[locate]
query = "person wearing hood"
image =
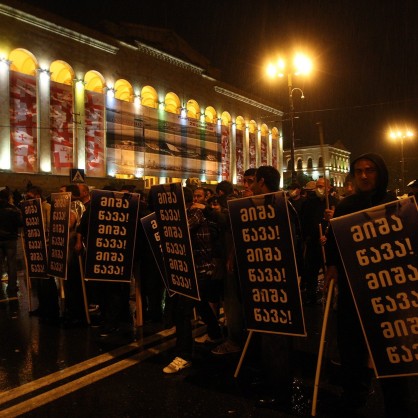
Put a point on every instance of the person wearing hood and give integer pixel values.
(316, 211)
(370, 178)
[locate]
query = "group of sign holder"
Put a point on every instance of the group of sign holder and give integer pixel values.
(378, 248)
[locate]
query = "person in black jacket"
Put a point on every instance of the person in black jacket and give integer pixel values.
(10, 221)
(370, 176)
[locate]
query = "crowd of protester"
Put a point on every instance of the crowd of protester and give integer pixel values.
(311, 206)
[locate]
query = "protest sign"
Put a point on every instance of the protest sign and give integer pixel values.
(170, 211)
(58, 235)
(34, 238)
(111, 236)
(266, 264)
(378, 247)
(149, 223)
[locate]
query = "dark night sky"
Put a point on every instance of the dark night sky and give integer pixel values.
(365, 54)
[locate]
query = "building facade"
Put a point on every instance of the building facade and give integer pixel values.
(330, 161)
(128, 103)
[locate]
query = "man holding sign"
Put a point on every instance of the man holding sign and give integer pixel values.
(370, 181)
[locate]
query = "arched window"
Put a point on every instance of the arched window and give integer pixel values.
(289, 165)
(172, 103)
(149, 97)
(299, 165)
(320, 162)
(124, 90)
(193, 109)
(23, 61)
(310, 162)
(240, 123)
(210, 114)
(94, 81)
(61, 72)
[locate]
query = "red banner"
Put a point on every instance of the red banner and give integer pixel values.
(274, 160)
(264, 147)
(225, 141)
(23, 114)
(94, 111)
(239, 155)
(61, 115)
(252, 151)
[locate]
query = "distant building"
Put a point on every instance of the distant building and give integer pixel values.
(315, 161)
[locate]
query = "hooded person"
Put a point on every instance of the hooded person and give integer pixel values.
(370, 178)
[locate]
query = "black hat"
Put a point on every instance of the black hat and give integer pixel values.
(413, 183)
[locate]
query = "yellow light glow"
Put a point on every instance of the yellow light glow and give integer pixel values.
(303, 65)
(399, 134)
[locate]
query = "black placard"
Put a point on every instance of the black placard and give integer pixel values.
(34, 238)
(111, 236)
(266, 264)
(168, 201)
(58, 235)
(379, 248)
(149, 223)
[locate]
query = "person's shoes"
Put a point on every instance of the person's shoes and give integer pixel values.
(205, 339)
(108, 331)
(94, 308)
(176, 365)
(226, 348)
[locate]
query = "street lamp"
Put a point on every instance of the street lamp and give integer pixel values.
(401, 135)
(301, 66)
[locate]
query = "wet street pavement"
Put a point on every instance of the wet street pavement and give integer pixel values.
(49, 371)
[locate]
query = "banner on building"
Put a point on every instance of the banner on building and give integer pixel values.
(34, 239)
(59, 235)
(263, 149)
(62, 127)
(239, 156)
(95, 138)
(146, 142)
(378, 247)
(111, 236)
(170, 211)
(266, 264)
(252, 150)
(226, 152)
(23, 125)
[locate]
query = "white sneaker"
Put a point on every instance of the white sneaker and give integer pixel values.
(176, 365)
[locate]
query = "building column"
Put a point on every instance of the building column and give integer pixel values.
(5, 142)
(44, 136)
(79, 126)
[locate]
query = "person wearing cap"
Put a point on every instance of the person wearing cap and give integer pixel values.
(414, 189)
(370, 177)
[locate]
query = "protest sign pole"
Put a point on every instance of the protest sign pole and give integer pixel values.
(244, 351)
(321, 346)
(321, 143)
(28, 283)
(83, 287)
(139, 320)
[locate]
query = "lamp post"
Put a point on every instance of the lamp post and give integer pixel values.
(301, 66)
(401, 135)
